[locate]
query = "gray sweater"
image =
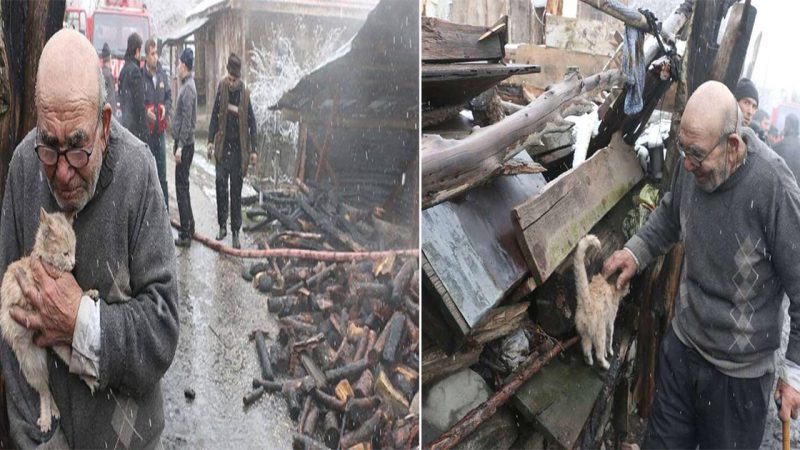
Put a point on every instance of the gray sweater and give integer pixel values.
(124, 251)
(742, 247)
(185, 120)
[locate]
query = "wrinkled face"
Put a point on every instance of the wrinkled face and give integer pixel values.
(151, 58)
(706, 157)
(748, 106)
(55, 241)
(67, 126)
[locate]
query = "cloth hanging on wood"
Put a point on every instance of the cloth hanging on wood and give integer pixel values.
(633, 67)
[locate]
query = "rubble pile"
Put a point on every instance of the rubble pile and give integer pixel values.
(315, 218)
(346, 359)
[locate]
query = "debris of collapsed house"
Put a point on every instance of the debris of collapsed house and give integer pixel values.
(498, 287)
(346, 359)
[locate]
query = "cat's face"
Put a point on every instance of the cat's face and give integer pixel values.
(55, 241)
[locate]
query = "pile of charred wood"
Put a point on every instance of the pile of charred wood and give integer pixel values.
(314, 218)
(346, 359)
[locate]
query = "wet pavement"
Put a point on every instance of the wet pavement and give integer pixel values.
(218, 310)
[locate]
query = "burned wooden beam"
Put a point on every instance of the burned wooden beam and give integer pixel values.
(365, 432)
(349, 371)
(400, 281)
(363, 387)
(394, 337)
(303, 442)
(313, 370)
(263, 356)
(478, 415)
(331, 429)
(309, 343)
(450, 168)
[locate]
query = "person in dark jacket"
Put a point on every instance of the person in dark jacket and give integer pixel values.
(158, 106)
(789, 147)
(131, 90)
(230, 141)
(183, 126)
(108, 77)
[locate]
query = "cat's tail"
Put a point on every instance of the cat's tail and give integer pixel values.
(579, 261)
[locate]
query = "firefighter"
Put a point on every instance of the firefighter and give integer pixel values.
(158, 106)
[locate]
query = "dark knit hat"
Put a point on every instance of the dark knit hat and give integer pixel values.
(187, 57)
(745, 88)
(235, 65)
(106, 52)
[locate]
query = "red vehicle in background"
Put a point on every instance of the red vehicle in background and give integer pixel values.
(113, 22)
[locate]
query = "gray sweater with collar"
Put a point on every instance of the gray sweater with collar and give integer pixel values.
(125, 251)
(742, 251)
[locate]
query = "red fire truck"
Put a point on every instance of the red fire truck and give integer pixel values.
(111, 22)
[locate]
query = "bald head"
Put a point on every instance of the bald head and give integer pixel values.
(68, 74)
(711, 110)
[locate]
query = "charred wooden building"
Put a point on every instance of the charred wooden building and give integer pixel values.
(224, 26)
(358, 120)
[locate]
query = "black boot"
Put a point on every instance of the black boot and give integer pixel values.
(235, 240)
(183, 241)
(223, 231)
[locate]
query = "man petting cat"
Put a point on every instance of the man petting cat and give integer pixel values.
(80, 160)
(736, 206)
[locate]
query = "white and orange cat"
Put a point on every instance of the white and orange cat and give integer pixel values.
(54, 245)
(597, 305)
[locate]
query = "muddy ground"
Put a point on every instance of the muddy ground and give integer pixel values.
(214, 358)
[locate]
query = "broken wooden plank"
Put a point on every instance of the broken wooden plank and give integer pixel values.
(560, 410)
(455, 84)
(588, 36)
(554, 63)
(450, 168)
(447, 42)
(549, 225)
(470, 247)
(499, 322)
(436, 364)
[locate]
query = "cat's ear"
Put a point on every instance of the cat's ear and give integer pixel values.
(42, 214)
(70, 216)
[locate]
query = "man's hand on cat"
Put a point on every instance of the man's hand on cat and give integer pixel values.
(55, 305)
(620, 261)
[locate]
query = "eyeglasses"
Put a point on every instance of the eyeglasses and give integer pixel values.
(692, 153)
(76, 157)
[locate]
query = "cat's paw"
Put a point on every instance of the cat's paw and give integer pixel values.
(54, 409)
(92, 383)
(93, 294)
(588, 359)
(44, 423)
(603, 363)
(610, 352)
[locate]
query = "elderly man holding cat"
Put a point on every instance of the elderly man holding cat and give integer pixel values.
(736, 206)
(80, 160)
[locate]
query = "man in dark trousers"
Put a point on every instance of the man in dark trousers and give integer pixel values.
(229, 142)
(735, 205)
(158, 106)
(789, 147)
(131, 90)
(108, 78)
(183, 125)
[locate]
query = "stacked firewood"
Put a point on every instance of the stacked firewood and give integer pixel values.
(346, 359)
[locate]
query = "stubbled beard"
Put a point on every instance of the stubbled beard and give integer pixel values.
(713, 180)
(78, 204)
